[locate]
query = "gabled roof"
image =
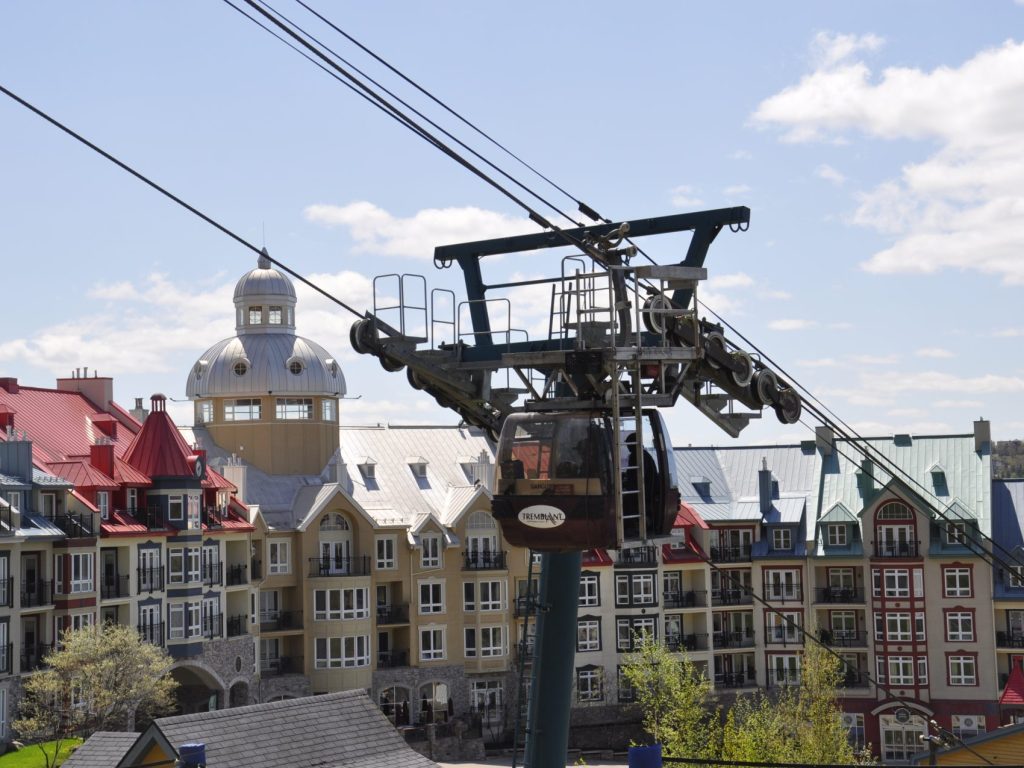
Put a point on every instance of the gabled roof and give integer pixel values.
(838, 513)
(102, 750)
(80, 473)
(159, 450)
(288, 733)
(1013, 694)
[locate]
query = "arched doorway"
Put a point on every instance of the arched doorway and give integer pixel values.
(198, 690)
(238, 695)
(335, 544)
(435, 703)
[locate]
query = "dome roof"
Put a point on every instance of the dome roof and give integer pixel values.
(264, 282)
(257, 364)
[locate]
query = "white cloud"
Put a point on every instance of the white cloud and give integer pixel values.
(740, 154)
(974, 404)
(907, 413)
(736, 280)
(737, 190)
(874, 359)
(841, 326)
(791, 324)
(685, 196)
(934, 352)
(962, 207)
(374, 230)
(830, 174)
(824, 362)
(1008, 333)
(934, 381)
(776, 294)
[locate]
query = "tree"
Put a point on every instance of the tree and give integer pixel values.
(100, 679)
(676, 699)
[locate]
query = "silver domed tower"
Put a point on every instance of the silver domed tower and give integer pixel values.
(265, 393)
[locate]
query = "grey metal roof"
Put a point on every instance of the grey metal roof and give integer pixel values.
(10, 480)
(265, 280)
(267, 357)
(335, 730)
(45, 478)
(101, 750)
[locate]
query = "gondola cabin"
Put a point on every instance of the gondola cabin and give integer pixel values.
(555, 488)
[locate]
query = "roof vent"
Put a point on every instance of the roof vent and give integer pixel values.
(158, 402)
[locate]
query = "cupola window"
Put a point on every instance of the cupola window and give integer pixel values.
(255, 315)
(295, 366)
(242, 410)
(204, 411)
(274, 316)
(330, 409)
(295, 408)
(241, 368)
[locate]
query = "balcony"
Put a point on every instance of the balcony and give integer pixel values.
(238, 625)
(746, 679)
(687, 642)
(152, 518)
(213, 517)
(524, 606)
(1009, 639)
(7, 592)
(638, 557)
(843, 638)
(280, 621)
(783, 635)
(781, 677)
(36, 593)
(853, 679)
(473, 560)
(213, 626)
(733, 554)
(897, 549)
(33, 656)
(839, 595)
(339, 566)
(281, 665)
(213, 574)
(743, 638)
(237, 575)
(694, 598)
(393, 614)
(731, 597)
(114, 586)
(77, 525)
(152, 632)
(392, 659)
(151, 579)
(784, 593)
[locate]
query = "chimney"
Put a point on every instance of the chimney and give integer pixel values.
(866, 477)
(483, 470)
(16, 456)
(10, 384)
(825, 439)
(99, 390)
(7, 417)
(101, 456)
(982, 435)
(764, 486)
(234, 471)
(138, 411)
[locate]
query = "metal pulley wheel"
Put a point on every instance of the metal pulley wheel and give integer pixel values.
(716, 341)
(766, 386)
(362, 336)
(789, 406)
(653, 315)
(743, 368)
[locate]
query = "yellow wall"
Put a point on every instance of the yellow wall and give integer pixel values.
(1004, 750)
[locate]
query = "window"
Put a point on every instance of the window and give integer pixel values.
(294, 408)
(470, 643)
(176, 621)
(274, 315)
(900, 741)
(959, 626)
(356, 651)
(204, 411)
(329, 409)
(176, 508)
(784, 628)
(295, 366)
(431, 597)
(900, 670)
(3, 714)
(897, 582)
(588, 634)
(195, 620)
(49, 504)
(968, 726)
(279, 557)
(588, 684)
(630, 629)
(103, 503)
(243, 410)
(431, 644)
(1017, 576)
(431, 555)
(919, 632)
(782, 538)
(469, 596)
(78, 576)
(490, 596)
(897, 627)
(957, 582)
(922, 670)
(956, 532)
(635, 589)
(627, 692)
(492, 642)
(486, 698)
(132, 497)
(194, 512)
(241, 368)
(176, 566)
(854, 724)
(326, 604)
(14, 499)
(590, 593)
(192, 561)
(782, 585)
(963, 670)
(837, 537)
(355, 603)
(895, 510)
(386, 553)
(255, 315)
(328, 653)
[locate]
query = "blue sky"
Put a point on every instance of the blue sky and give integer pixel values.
(880, 147)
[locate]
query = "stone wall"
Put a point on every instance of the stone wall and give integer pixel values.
(413, 677)
(605, 727)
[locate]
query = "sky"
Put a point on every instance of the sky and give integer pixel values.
(879, 146)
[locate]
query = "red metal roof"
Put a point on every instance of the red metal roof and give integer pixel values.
(217, 481)
(596, 557)
(88, 504)
(79, 472)
(159, 450)
(128, 475)
(1013, 695)
(688, 517)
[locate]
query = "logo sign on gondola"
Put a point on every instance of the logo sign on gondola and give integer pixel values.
(542, 516)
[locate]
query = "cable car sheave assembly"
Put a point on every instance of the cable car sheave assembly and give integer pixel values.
(584, 459)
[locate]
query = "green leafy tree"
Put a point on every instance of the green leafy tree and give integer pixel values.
(101, 679)
(679, 710)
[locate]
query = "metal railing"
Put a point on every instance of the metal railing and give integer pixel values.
(278, 621)
(238, 625)
(741, 638)
(393, 614)
(839, 595)
(473, 560)
(213, 625)
(212, 573)
(843, 638)
(1009, 639)
(151, 579)
(33, 656)
(392, 659)
(237, 574)
(731, 597)
(152, 632)
(745, 679)
(783, 593)
(7, 592)
(339, 566)
(6, 659)
(114, 586)
(76, 525)
(692, 598)
(687, 642)
(853, 679)
(281, 665)
(780, 677)
(36, 593)
(897, 548)
(783, 635)
(212, 517)
(733, 554)
(638, 556)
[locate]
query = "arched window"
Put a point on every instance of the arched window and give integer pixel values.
(435, 703)
(482, 541)
(394, 703)
(894, 510)
(895, 531)
(335, 544)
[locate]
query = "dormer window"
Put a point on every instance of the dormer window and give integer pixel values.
(240, 368)
(274, 316)
(419, 469)
(255, 315)
(782, 539)
(837, 534)
(369, 471)
(295, 366)
(956, 532)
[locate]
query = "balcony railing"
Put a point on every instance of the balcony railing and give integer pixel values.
(32, 656)
(339, 566)
(473, 560)
(1009, 639)
(213, 573)
(76, 525)
(843, 638)
(237, 574)
(853, 679)
(152, 518)
(238, 625)
(637, 557)
(6, 659)
(780, 677)
(7, 592)
(281, 665)
(897, 548)
(783, 635)
(741, 638)
(784, 593)
(279, 621)
(114, 586)
(735, 679)
(393, 614)
(152, 632)
(151, 579)
(730, 554)
(213, 517)
(7, 519)
(731, 597)
(524, 605)
(687, 642)
(839, 595)
(213, 625)
(36, 593)
(392, 659)
(693, 598)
